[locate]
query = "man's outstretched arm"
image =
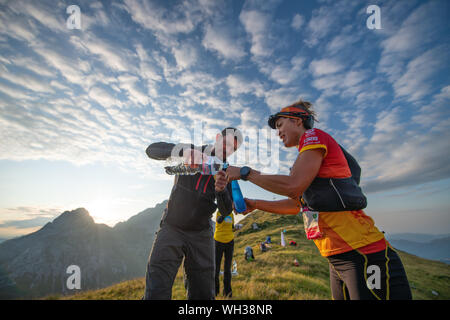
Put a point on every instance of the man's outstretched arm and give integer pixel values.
(163, 150)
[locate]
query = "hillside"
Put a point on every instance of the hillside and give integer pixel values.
(273, 275)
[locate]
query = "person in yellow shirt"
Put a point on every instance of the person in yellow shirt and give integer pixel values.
(224, 242)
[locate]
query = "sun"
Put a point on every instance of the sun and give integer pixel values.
(102, 211)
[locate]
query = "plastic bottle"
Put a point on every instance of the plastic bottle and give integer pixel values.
(283, 242)
(234, 271)
(211, 166)
(238, 199)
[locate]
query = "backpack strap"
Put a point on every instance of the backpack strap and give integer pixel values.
(353, 165)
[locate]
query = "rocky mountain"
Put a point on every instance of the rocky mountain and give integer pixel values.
(36, 264)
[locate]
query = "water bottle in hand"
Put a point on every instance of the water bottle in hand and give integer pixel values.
(238, 199)
(212, 165)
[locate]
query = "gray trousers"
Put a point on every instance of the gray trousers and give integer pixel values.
(171, 245)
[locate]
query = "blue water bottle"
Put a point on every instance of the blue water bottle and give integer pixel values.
(239, 203)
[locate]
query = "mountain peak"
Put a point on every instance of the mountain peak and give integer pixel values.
(77, 216)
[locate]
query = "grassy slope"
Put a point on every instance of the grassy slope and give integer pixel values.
(273, 275)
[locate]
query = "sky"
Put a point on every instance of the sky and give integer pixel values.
(79, 106)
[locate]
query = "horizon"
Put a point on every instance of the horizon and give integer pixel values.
(79, 106)
(238, 218)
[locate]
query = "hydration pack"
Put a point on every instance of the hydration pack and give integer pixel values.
(337, 194)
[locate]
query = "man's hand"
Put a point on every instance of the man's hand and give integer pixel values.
(221, 181)
(233, 173)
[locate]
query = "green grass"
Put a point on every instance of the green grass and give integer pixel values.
(273, 275)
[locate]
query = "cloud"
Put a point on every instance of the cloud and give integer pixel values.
(17, 221)
(342, 41)
(325, 66)
(129, 83)
(327, 19)
(250, 117)
(15, 93)
(25, 224)
(220, 40)
(407, 59)
(148, 68)
(319, 25)
(102, 97)
(297, 21)
(284, 72)
(419, 28)
(112, 56)
(178, 19)
(65, 65)
(47, 14)
(402, 153)
(281, 97)
(16, 27)
(239, 85)
(186, 56)
(257, 25)
(417, 80)
(346, 84)
(27, 81)
(198, 79)
(37, 67)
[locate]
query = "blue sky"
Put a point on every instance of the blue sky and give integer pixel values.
(79, 107)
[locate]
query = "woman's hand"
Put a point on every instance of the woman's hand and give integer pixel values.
(233, 173)
(250, 204)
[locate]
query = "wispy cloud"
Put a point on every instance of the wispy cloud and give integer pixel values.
(406, 58)
(257, 25)
(297, 21)
(325, 66)
(400, 154)
(222, 41)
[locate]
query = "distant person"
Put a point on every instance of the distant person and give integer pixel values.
(224, 243)
(185, 229)
(324, 185)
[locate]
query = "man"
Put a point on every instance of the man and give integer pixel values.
(185, 229)
(324, 181)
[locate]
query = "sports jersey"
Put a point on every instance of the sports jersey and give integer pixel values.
(342, 231)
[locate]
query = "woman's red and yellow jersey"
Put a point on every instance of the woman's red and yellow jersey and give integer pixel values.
(344, 230)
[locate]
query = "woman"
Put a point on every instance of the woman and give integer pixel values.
(224, 241)
(323, 184)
